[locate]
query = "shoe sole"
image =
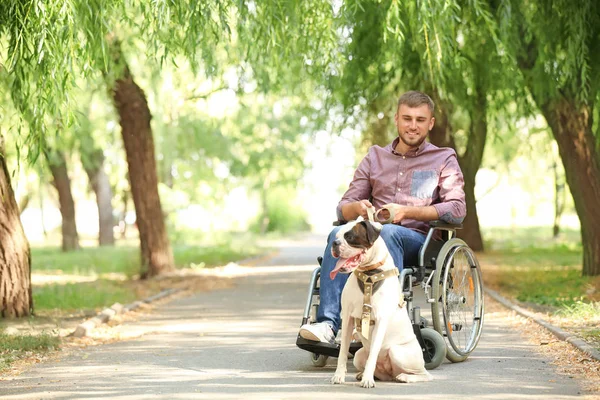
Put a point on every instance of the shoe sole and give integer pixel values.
(308, 335)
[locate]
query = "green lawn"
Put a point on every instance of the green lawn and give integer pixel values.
(532, 267)
(122, 262)
(13, 347)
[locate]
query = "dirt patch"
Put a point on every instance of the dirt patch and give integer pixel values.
(567, 359)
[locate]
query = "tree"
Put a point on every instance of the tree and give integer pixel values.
(66, 40)
(268, 150)
(61, 182)
(556, 46)
(92, 159)
(16, 298)
(134, 116)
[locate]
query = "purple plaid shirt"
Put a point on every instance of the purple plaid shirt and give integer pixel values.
(429, 175)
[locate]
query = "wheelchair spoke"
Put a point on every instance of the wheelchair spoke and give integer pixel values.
(462, 313)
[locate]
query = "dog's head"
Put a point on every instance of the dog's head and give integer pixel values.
(351, 244)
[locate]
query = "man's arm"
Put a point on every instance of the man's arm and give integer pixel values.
(452, 207)
(355, 201)
(427, 213)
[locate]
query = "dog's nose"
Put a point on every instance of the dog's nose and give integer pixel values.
(337, 242)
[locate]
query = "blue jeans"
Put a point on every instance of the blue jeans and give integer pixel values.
(404, 245)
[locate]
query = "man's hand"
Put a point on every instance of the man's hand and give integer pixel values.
(352, 211)
(361, 208)
(398, 211)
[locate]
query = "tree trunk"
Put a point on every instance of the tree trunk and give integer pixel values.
(577, 146)
(470, 161)
(15, 258)
(559, 200)
(134, 114)
(93, 164)
(62, 183)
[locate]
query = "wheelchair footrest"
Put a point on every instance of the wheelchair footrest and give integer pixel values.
(326, 349)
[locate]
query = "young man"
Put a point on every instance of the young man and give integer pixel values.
(420, 181)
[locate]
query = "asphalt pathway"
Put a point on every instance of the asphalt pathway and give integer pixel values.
(239, 343)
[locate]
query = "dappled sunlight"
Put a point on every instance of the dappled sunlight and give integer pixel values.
(236, 270)
(240, 342)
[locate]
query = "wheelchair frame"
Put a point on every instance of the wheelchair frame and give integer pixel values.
(446, 269)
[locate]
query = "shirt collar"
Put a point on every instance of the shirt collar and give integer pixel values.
(414, 152)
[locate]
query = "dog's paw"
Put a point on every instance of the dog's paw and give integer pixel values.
(338, 379)
(359, 376)
(367, 383)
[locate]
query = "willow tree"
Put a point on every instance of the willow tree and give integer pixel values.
(368, 52)
(46, 47)
(556, 46)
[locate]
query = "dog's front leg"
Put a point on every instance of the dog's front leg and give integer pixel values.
(347, 327)
(379, 329)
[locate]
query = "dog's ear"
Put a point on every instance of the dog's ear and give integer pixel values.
(373, 231)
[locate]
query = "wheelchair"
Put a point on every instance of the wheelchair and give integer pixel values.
(450, 277)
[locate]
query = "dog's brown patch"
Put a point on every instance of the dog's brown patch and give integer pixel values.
(362, 235)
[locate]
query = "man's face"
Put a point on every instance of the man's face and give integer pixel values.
(413, 123)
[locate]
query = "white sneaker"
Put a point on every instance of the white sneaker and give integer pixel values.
(318, 332)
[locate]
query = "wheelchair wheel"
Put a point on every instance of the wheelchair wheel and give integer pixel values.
(318, 360)
(457, 312)
(435, 346)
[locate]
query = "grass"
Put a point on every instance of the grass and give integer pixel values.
(86, 295)
(13, 347)
(109, 267)
(86, 261)
(544, 273)
(550, 276)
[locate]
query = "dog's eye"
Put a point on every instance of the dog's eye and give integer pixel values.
(348, 235)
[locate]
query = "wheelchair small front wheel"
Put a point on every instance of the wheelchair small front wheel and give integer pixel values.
(318, 360)
(457, 311)
(435, 346)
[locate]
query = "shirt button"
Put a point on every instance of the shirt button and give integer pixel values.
(398, 189)
(401, 173)
(403, 157)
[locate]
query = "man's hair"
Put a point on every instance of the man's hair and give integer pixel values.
(415, 98)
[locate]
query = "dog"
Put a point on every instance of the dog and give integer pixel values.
(391, 351)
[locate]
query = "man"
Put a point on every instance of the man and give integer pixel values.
(418, 180)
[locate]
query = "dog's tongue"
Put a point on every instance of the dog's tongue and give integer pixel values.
(351, 263)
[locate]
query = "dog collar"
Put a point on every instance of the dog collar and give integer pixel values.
(374, 266)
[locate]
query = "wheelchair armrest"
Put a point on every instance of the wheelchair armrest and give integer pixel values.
(444, 225)
(339, 223)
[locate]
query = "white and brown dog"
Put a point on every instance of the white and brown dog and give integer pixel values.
(374, 305)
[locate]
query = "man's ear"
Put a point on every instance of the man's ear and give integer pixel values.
(373, 231)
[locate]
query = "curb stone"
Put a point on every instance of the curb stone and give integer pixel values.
(107, 314)
(559, 333)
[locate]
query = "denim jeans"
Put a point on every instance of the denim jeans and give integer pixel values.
(404, 245)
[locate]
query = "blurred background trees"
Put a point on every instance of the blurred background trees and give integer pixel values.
(180, 119)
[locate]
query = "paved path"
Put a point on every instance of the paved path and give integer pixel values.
(239, 343)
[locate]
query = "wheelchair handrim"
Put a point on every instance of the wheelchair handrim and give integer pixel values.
(462, 331)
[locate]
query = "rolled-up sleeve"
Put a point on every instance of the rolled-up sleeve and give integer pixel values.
(452, 207)
(360, 187)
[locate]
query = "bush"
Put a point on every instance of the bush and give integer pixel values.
(284, 213)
